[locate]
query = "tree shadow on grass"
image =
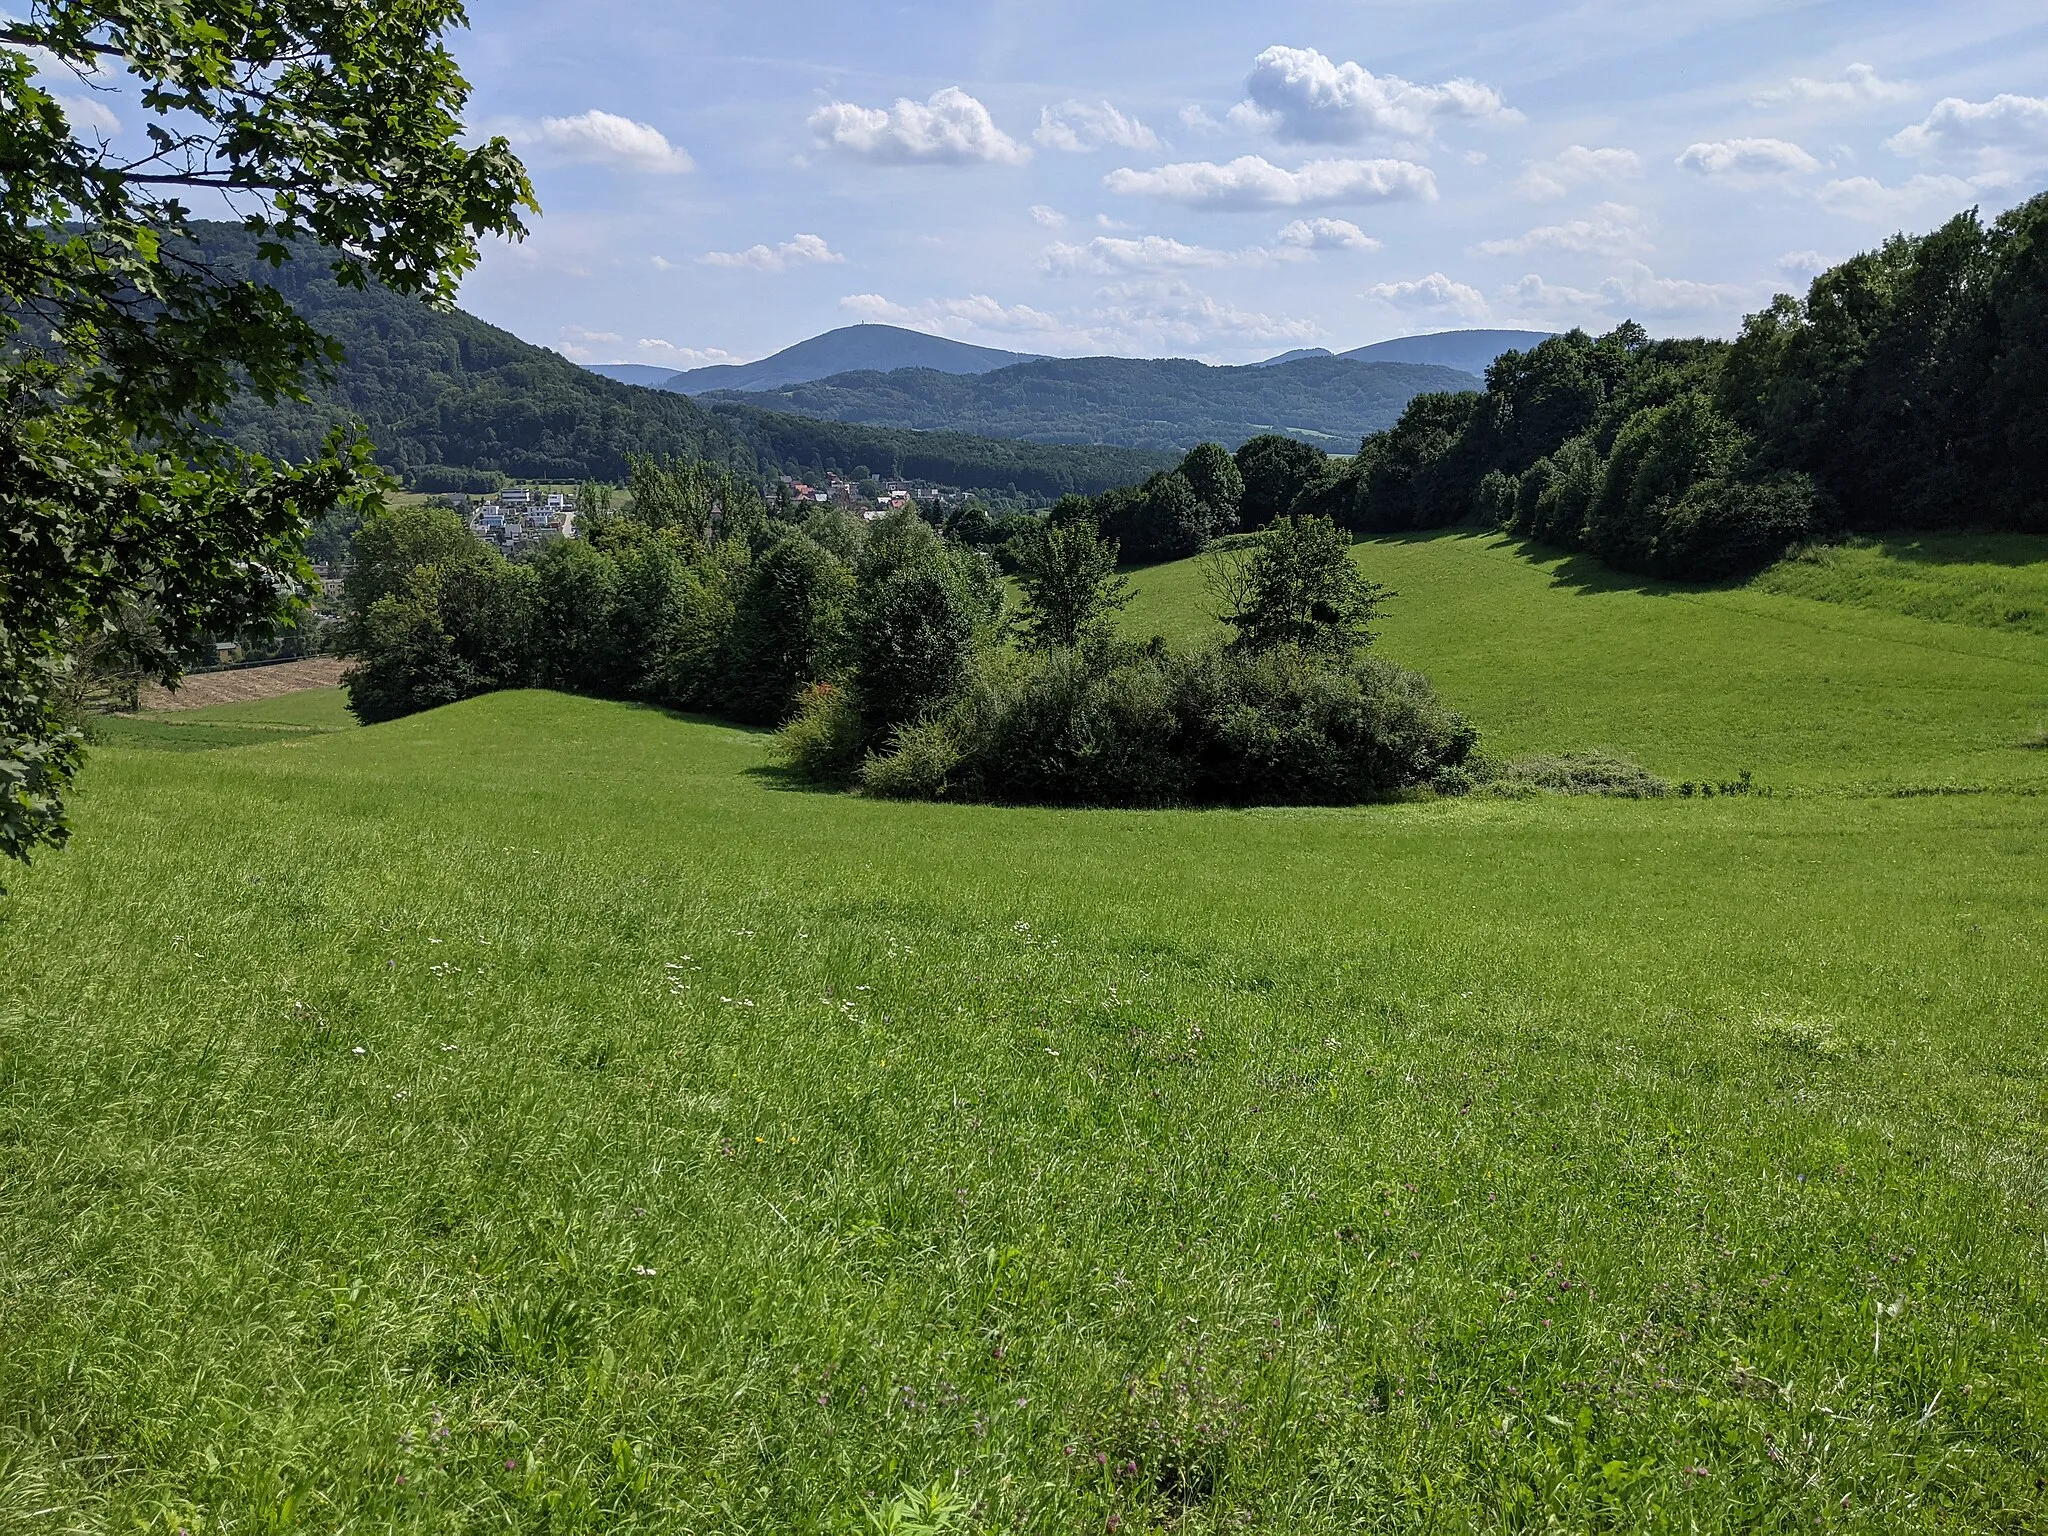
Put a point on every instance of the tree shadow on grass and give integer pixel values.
(779, 776)
(1574, 571)
(784, 779)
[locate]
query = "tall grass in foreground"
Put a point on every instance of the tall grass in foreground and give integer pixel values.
(531, 1116)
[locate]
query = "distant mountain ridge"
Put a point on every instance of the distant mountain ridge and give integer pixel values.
(889, 348)
(453, 403)
(646, 375)
(907, 380)
(850, 349)
(1161, 404)
(1468, 351)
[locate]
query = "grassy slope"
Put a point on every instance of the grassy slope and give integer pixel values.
(738, 1156)
(1993, 581)
(1550, 652)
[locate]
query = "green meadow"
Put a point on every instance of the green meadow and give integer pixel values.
(542, 1115)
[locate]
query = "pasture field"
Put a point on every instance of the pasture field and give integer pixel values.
(539, 1115)
(1823, 689)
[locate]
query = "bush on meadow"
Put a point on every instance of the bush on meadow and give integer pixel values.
(920, 761)
(1140, 726)
(827, 736)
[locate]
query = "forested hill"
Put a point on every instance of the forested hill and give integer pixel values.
(1154, 403)
(453, 403)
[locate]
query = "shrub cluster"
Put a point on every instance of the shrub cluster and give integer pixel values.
(1291, 711)
(1127, 725)
(1908, 389)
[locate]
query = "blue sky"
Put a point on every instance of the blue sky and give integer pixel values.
(1223, 181)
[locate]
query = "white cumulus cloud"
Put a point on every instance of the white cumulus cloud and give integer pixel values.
(605, 138)
(952, 128)
(2005, 132)
(1576, 165)
(1802, 264)
(1612, 230)
(1748, 159)
(1252, 181)
(804, 250)
(1434, 293)
(1327, 235)
(1859, 83)
(1080, 126)
(1308, 98)
(1047, 217)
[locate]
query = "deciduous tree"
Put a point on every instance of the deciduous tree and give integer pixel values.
(328, 123)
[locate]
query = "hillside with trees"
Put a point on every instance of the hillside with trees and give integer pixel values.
(1166, 404)
(452, 403)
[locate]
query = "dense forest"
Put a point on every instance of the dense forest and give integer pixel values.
(454, 404)
(1158, 403)
(1908, 389)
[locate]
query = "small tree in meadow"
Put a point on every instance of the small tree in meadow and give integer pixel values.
(1296, 586)
(1071, 588)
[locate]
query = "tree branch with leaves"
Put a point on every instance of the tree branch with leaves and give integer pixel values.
(333, 129)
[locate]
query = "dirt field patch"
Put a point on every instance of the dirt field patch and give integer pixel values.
(248, 683)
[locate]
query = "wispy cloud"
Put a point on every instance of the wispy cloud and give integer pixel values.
(1576, 165)
(581, 344)
(1046, 217)
(87, 113)
(605, 138)
(952, 128)
(977, 312)
(804, 250)
(1306, 97)
(1297, 241)
(1252, 181)
(1142, 316)
(1148, 253)
(1865, 197)
(1612, 230)
(1079, 126)
(1636, 291)
(1858, 83)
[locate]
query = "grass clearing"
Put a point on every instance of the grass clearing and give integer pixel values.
(1551, 653)
(535, 1114)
